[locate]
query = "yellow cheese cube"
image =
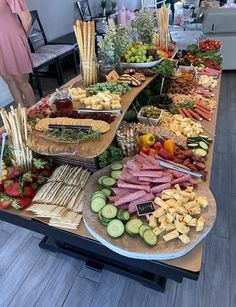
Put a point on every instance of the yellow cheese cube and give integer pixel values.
(171, 202)
(162, 218)
(187, 219)
(181, 228)
(200, 224)
(185, 239)
(181, 210)
(158, 201)
(153, 221)
(195, 210)
(190, 205)
(171, 235)
(202, 200)
(193, 222)
(172, 211)
(159, 212)
(157, 231)
(170, 218)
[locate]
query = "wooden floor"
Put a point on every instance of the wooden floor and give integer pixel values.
(33, 277)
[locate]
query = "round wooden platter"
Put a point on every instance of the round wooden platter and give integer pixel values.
(135, 247)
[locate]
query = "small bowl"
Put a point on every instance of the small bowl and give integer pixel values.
(148, 120)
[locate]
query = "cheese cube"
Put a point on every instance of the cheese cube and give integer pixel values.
(187, 219)
(189, 189)
(177, 187)
(190, 205)
(185, 239)
(202, 200)
(158, 201)
(178, 217)
(162, 218)
(193, 222)
(171, 235)
(200, 224)
(167, 226)
(181, 228)
(159, 212)
(170, 218)
(172, 211)
(195, 210)
(153, 221)
(157, 231)
(181, 210)
(171, 202)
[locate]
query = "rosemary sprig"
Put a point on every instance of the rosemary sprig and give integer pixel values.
(71, 135)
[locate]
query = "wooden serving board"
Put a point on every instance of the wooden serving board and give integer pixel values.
(135, 247)
(89, 149)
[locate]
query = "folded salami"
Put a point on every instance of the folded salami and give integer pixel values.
(160, 188)
(163, 179)
(130, 197)
(182, 179)
(147, 174)
(123, 184)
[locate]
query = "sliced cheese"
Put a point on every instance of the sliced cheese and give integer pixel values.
(159, 212)
(153, 221)
(185, 239)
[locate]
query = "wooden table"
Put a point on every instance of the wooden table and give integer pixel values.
(80, 243)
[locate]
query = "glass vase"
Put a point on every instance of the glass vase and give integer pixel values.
(88, 71)
(106, 65)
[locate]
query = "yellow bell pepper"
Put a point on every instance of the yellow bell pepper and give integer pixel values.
(147, 140)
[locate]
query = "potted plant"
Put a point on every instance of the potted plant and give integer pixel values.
(143, 26)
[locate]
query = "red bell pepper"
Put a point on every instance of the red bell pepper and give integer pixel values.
(145, 149)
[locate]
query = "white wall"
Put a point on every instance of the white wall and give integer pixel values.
(58, 16)
(5, 96)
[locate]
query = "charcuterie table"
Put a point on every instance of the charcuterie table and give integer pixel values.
(82, 243)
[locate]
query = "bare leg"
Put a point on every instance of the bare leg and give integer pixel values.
(25, 88)
(15, 91)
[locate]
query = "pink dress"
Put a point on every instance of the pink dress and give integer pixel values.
(15, 55)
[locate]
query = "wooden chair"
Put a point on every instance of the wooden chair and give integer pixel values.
(39, 44)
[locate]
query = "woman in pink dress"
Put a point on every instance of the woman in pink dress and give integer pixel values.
(15, 56)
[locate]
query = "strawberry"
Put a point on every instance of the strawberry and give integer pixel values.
(41, 179)
(46, 172)
(14, 189)
(20, 203)
(14, 173)
(7, 183)
(5, 201)
(28, 177)
(39, 164)
(36, 171)
(29, 192)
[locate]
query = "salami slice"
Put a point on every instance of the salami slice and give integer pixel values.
(130, 197)
(161, 188)
(162, 179)
(141, 160)
(133, 166)
(147, 174)
(122, 184)
(120, 191)
(132, 204)
(127, 176)
(182, 179)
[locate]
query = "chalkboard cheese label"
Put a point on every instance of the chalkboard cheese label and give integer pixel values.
(145, 208)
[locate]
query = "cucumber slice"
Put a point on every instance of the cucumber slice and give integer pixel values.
(201, 152)
(109, 211)
(204, 136)
(203, 145)
(123, 215)
(100, 179)
(193, 145)
(115, 228)
(103, 219)
(117, 166)
(143, 228)
(149, 237)
(97, 204)
(106, 191)
(132, 226)
(116, 174)
(108, 182)
(99, 194)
